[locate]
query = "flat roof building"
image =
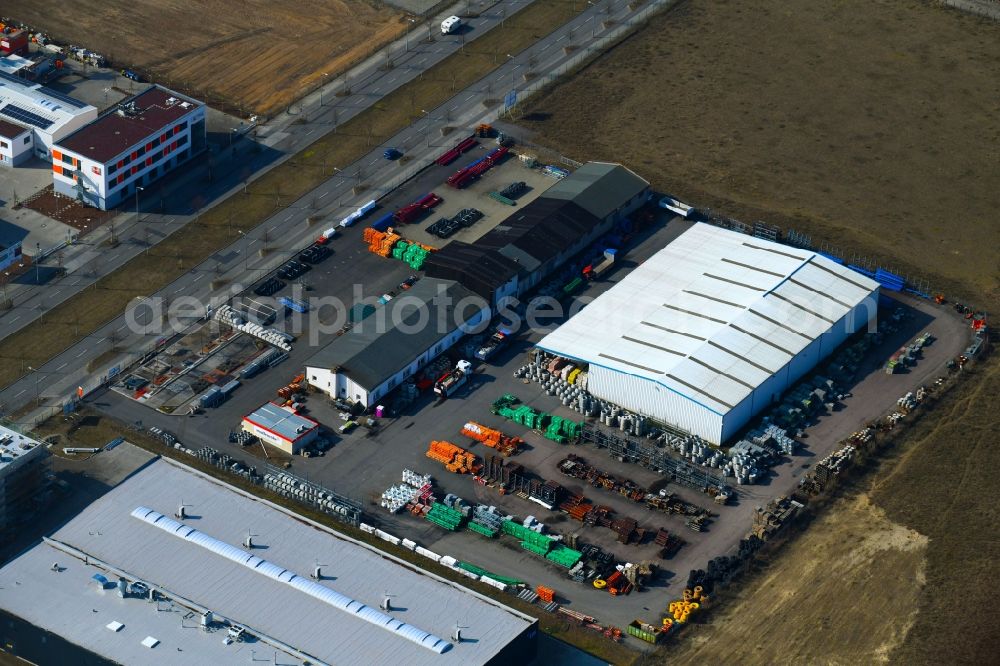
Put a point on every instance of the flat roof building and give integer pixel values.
(137, 142)
(396, 341)
(20, 478)
(11, 239)
(537, 239)
(16, 145)
(713, 328)
(50, 115)
(281, 426)
(128, 580)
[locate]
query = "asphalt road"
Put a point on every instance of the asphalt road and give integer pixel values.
(286, 232)
(232, 160)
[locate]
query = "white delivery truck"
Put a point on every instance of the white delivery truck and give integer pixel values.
(450, 25)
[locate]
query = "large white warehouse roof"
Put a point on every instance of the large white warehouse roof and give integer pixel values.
(713, 315)
(200, 563)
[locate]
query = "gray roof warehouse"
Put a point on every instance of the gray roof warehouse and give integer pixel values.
(129, 581)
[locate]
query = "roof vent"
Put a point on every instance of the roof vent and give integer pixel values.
(386, 604)
(456, 635)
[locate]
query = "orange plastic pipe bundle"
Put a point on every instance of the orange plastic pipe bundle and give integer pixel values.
(546, 594)
(481, 433)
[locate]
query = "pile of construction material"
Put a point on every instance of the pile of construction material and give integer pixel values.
(414, 489)
(380, 242)
(682, 609)
(504, 444)
(576, 467)
(540, 544)
(447, 226)
(453, 154)
(227, 315)
(443, 516)
(486, 520)
(454, 458)
(311, 494)
(414, 211)
(467, 175)
(552, 427)
(907, 356)
(513, 478)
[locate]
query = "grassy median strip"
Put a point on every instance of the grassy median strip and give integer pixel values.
(94, 429)
(215, 229)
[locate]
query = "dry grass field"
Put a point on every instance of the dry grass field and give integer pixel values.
(256, 54)
(871, 125)
(900, 569)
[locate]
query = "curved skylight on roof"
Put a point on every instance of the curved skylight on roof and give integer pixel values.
(300, 583)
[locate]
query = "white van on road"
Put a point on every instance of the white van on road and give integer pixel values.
(450, 25)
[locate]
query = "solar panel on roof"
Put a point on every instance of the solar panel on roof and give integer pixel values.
(12, 78)
(49, 92)
(17, 113)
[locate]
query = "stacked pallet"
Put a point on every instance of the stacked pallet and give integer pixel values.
(380, 242)
(625, 528)
(443, 516)
(577, 507)
(546, 594)
(454, 458)
(504, 444)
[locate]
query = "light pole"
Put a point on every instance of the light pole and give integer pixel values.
(38, 379)
(409, 22)
(593, 31)
(513, 83)
(322, 85)
(137, 190)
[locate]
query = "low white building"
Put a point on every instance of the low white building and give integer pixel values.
(49, 114)
(16, 144)
(713, 328)
(139, 141)
(395, 342)
(282, 427)
(11, 239)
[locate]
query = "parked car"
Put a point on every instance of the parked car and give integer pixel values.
(392, 154)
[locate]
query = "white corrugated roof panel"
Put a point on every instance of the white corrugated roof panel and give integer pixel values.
(713, 314)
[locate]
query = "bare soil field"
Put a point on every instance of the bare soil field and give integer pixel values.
(899, 569)
(255, 54)
(852, 605)
(868, 125)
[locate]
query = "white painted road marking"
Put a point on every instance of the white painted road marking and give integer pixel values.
(60, 367)
(22, 391)
(324, 194)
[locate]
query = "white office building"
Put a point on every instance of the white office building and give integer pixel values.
(132, 145)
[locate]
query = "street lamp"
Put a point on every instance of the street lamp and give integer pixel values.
(137, 190)
(409, 22)
(513, 83)
(322, 85)
(38, 379)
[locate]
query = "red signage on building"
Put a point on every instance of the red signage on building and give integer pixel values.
(96, 170)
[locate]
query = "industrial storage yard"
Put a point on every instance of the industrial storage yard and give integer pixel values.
(258, 56)
(486, 394)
